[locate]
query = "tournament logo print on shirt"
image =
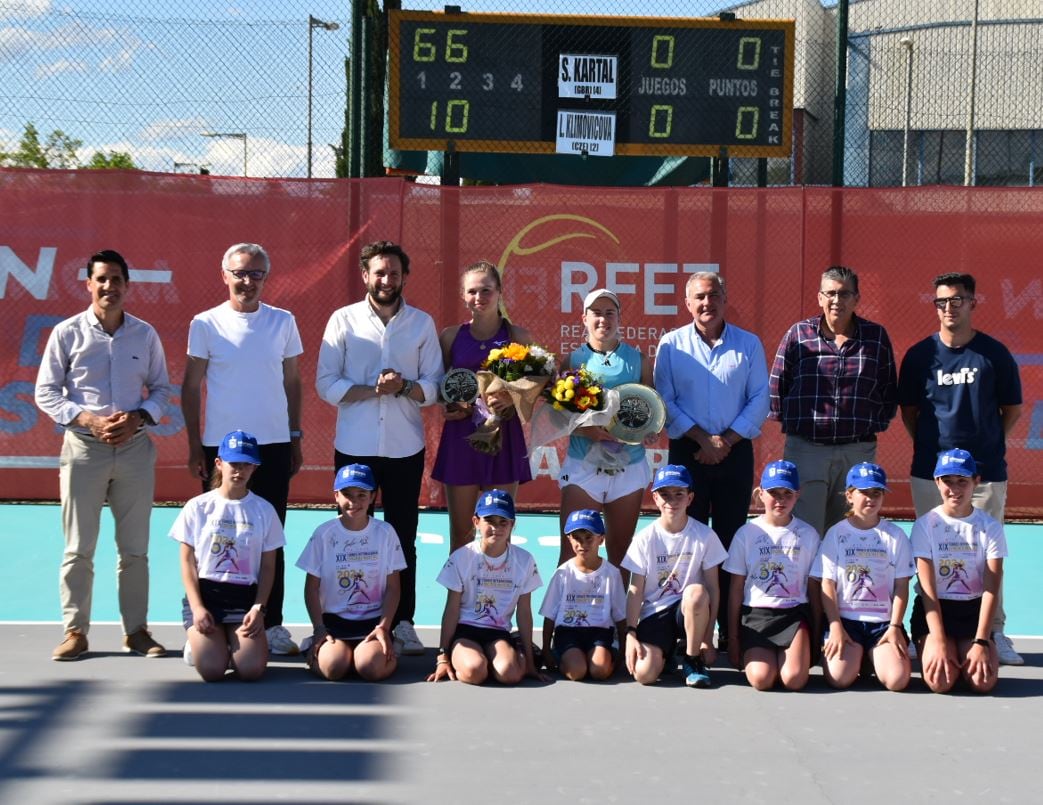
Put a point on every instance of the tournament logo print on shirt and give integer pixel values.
(227, 555)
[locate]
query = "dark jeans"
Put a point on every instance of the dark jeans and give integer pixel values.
(398, 480)
(271, 481)
(722, 495)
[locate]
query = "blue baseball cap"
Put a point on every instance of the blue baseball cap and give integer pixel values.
(585, 518)
(672, 475)
(867, 475)
(358, 476)
(495, 503)
(955, 462)
(239, 447)
(781, 474)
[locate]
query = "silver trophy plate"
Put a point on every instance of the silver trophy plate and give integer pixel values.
(460, 386)
(641, 413)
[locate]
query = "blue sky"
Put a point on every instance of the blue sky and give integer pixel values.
(148, 78)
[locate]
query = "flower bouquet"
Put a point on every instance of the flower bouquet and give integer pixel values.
(576, 399)
(519, 370)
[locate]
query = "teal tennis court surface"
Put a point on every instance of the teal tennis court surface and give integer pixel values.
(31, 537)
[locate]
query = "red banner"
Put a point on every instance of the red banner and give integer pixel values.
(553, 245)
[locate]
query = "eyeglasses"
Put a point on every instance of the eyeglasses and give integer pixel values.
(255, 274)
(841, 295)
(955, 302)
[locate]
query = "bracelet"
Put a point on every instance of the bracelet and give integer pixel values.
(897, 625)
(441, 651)
(631, 630)
(407, 386)
(981, 641)
(441, 661)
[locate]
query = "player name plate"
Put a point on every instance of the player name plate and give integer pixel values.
(641, 413)
(460, 386)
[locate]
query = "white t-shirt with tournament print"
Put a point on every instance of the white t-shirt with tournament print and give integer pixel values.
(670, 562)
(228, 536)
(490, 587)
(958, 547)
(864, 563)
(775, 560)
(590, 600)
(352, 566)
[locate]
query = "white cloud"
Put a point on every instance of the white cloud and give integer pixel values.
(26, 9)
(115, 47)
(59, 67)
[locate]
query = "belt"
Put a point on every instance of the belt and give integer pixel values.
(871, 437)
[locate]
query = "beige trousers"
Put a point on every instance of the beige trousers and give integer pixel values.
(90, 474)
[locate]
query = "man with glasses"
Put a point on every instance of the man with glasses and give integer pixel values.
(833, 389)
(960, 388)
(713, 378)
(247, 352)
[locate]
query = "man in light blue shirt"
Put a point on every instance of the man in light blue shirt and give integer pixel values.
(713, 378)
(103, 377)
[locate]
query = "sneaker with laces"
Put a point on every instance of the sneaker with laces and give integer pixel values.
(1005, 650)
(186, 655)
(280, 641)
(406, 640)
(72, 647)
(141, 642)
(695, 673)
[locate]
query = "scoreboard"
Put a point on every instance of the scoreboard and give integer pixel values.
(628, 85)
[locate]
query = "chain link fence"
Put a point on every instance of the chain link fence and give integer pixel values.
(228, 89)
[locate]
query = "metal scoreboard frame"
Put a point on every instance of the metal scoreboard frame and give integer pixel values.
(666, 86)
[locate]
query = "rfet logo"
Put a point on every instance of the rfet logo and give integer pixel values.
(584, 254)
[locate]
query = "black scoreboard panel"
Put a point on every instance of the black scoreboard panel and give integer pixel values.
(689, 87)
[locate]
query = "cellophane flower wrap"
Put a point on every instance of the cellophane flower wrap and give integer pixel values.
(522, 370)
(576, 398)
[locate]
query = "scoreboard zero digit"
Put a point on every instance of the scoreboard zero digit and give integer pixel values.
(687, 87)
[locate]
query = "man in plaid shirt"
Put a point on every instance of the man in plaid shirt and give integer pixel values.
(833, 388)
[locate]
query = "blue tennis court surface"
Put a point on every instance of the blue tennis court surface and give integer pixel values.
(31, 537)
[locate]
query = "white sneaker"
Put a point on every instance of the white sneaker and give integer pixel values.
(1005, 650)
(406, 640)
(186, 655)
(280, 642)
(307, 643)
(911, 651)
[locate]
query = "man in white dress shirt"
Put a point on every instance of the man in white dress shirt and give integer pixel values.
(103, 377)
(380, 363)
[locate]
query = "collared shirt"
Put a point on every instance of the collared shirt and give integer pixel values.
(356, 348)
(83, 368)
(717, 387)
(834, 395)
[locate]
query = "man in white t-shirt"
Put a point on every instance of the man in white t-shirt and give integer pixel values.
(379, 364)
(247, 352)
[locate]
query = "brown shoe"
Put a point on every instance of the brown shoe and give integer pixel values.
(72, 647)
(141, 642)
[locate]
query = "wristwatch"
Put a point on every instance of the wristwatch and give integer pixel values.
(146, 417)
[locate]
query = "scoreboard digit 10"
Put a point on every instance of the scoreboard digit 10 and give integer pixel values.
(685, 87)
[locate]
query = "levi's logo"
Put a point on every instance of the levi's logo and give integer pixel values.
(962, 377)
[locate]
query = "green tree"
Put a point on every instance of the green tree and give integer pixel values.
(30, 153)
(112, 159)
(59, 150)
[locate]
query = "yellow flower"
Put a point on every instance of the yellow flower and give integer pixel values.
(516, 352)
